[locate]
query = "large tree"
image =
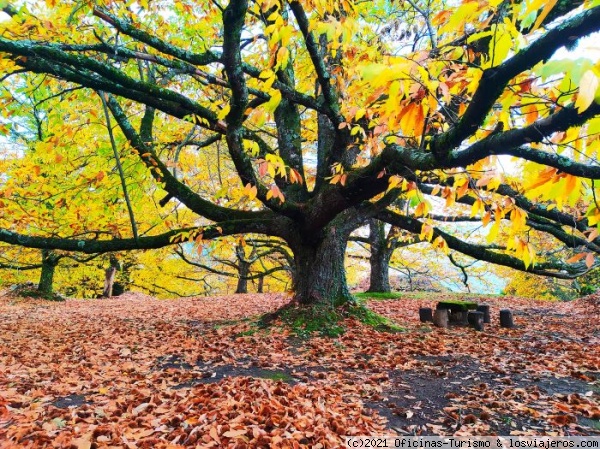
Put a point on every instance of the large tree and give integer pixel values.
(326, 111)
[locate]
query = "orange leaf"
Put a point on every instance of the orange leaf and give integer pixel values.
(589, 260)
(576, 258)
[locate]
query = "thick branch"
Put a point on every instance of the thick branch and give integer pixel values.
(150, 39)
(494, 80)
(481, 253)
(323, 74)
(512, 143)
(91, 73)
(171, 185)
(259, 226)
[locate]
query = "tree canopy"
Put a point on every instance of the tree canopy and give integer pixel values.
(302, 120)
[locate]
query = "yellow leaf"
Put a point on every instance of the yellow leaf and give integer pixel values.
(544, 176)
(491, 237)
(283, 56)
(587, 91)
(440, 243)
(547, 8)
(250, 191)
(426, 232)
(272, 104)
(223, 113)
(477, 207)
(393, 182)
(501, 44)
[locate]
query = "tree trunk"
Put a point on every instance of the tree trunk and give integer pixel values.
(109, 278)
(319, 275)
(49, 264)
(380, 258)
(261, 284)
(243, 273)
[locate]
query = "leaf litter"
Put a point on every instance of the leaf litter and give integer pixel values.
(137, 372)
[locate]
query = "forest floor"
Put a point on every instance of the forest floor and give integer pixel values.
(137, 372)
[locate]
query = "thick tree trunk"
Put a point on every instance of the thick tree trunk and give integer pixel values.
(320, 276)
(49, 264)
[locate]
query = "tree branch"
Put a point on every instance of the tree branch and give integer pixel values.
(494, 80)
(564, 271)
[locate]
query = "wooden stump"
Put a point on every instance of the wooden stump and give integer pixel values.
(459, 317)
(476, 320)
(440, 318)
(506, 318)
(485, 308)
(457, 310)
(425, 314)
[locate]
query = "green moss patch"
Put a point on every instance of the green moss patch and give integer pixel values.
(378, 295)
(305, 321)
(457, 306)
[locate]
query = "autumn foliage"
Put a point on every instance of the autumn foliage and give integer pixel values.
(150, 124)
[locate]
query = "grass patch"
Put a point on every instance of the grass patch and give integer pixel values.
(36, 294)
(276, 375)
(326, 321)
(379, 295)
(370, 318)
(305, 321)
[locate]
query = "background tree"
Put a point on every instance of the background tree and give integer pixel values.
(382, 243)
(322, 120)
(250, 258)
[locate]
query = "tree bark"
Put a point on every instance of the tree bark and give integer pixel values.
(261, 284)
(380, 258)
(243, 273)
(320, 275)
(49, 264)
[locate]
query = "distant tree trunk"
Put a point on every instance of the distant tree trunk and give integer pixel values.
(261, 284)
(49, 263)
(243, 266)
(380, 258)
(109, 277)
(243, 272)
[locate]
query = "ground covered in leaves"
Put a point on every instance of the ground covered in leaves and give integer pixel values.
(136, 372)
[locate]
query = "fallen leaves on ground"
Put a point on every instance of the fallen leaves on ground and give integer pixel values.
(136, 372)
